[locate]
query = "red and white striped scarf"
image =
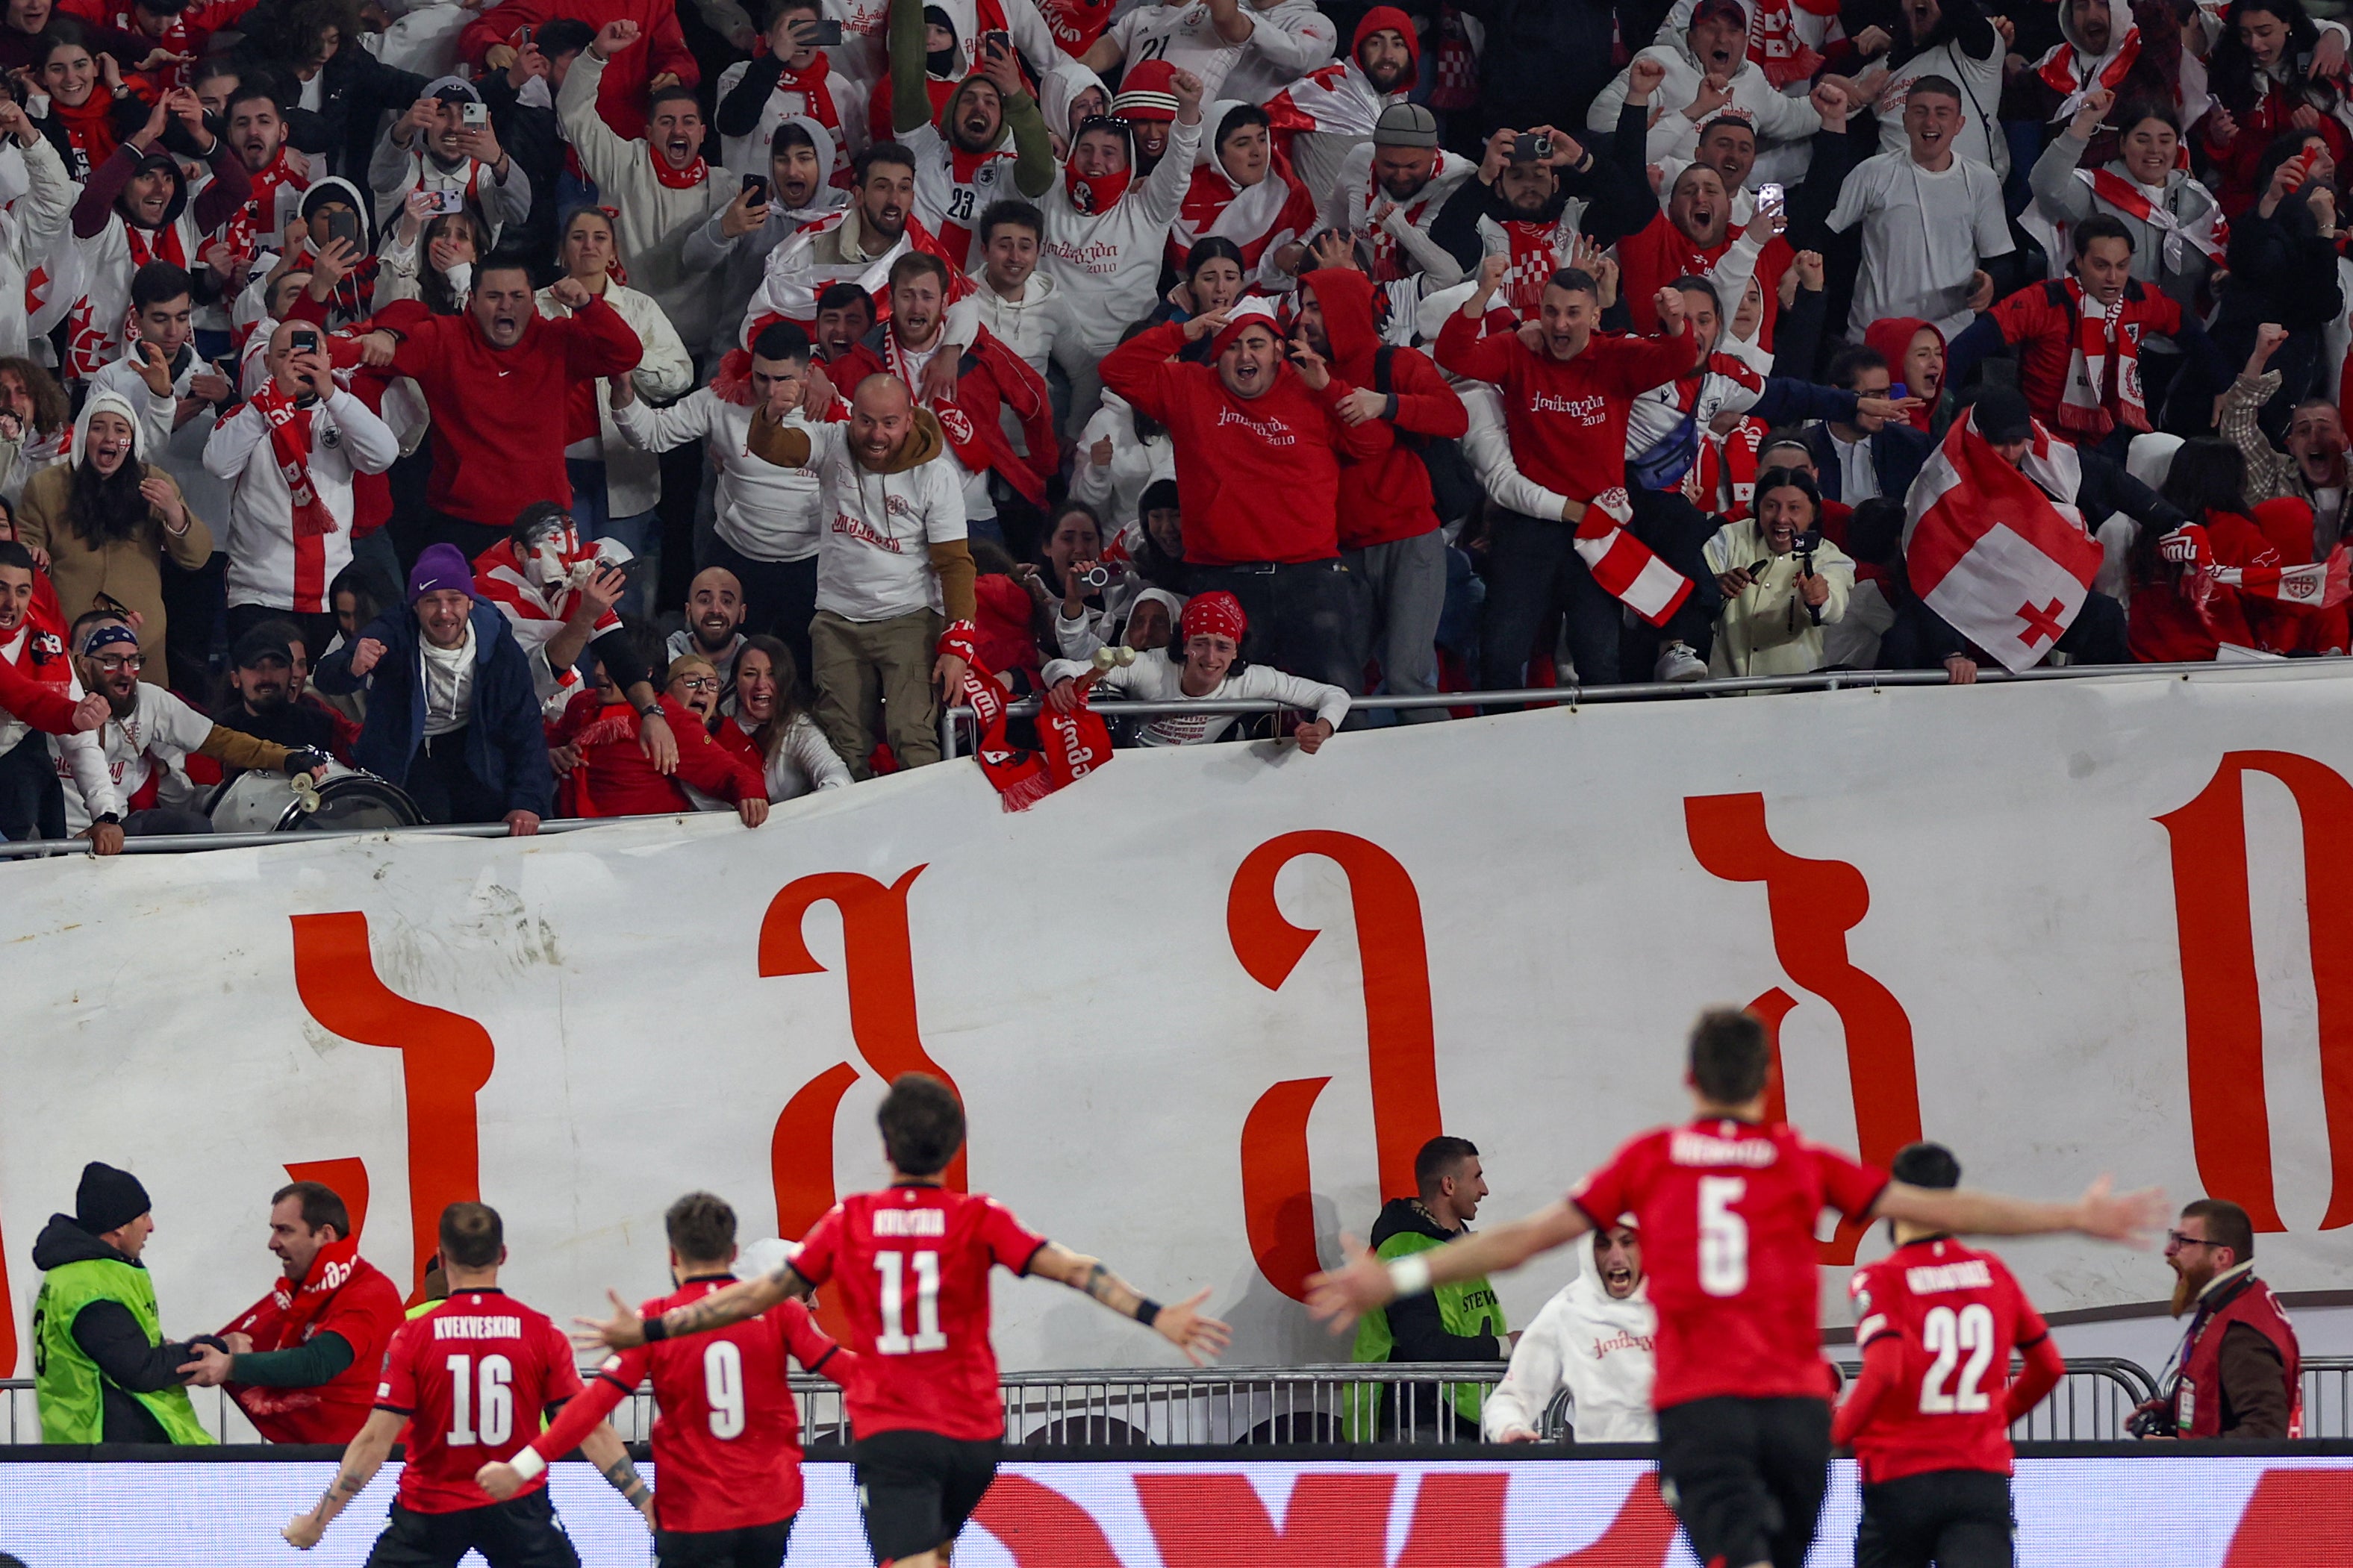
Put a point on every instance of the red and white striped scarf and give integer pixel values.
(1724, 479)
(1537, 251)
(1623, 565)
(2103, 386)
(1386, 266)
(1776, 39)
(2210, 232)
(2066, 72)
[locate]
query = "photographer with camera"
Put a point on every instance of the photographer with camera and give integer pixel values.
(2237, 1371)
(290, 453)
(1781, 581)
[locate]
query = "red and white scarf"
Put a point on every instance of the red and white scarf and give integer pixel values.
(1537, 251)
(298, 1306)
(1778, 37)
(2208, 233)
(685, 179)
(1094, 194)
(1623, 565)
(1019, 777)
(290, 445)
(242, 234)
(1386, 266)
(1724, 479)
(2066, 72)
(2103, 386)
(164, 244)
(2316, 585)
(1276, 211)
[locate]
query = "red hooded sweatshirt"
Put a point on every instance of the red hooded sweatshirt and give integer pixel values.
(1388, 498)
(628, 77)
(1891, 337)
(1258, 477)
(499, 414)
(614, 778)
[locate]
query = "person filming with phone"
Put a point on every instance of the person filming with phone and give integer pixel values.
(1781, 581)
(288, 455)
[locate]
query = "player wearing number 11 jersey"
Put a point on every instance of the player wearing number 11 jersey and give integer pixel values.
(911, 1265)
(470, 1381)
(1726, 1206)
(1929, 1418)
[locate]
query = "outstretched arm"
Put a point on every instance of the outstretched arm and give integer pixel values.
(1184, 1325)
(2129, 1217)
(1344, 1295)
(744, 1298)
(361, 1461)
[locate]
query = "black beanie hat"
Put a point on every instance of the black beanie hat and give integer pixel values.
(2002, 415)
(108, 1199)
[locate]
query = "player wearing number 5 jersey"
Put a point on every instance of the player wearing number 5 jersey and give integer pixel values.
(470, 1380)
(1929, 1418)
(911, 1266)
(1726, 1206)
(726, 1429)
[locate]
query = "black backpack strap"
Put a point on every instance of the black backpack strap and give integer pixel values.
(1381, 356)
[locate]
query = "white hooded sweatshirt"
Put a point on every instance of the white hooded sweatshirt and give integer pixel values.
(1598, 1348)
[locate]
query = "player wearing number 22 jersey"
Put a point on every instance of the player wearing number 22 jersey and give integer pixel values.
(1929, 1418)
(911, 1266)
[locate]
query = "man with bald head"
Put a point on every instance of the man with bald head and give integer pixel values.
(894, 630)
(714, 621)
(291, 452)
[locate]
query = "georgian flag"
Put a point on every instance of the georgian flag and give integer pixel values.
(2000, 552)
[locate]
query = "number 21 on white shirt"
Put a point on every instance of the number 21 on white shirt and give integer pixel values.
(893, 1339)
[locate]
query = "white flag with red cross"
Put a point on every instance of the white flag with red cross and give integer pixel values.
(1990, 548)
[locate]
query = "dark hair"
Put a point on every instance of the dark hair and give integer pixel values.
(63, 32)
(1439, 1159)
(2133, 110)
(781, 339)
(1850, 362)
(1239, 117)
(472, 1235)
(1576, 280)
(2206, 475)
(1021, 214)
(701, 1228)
(564, 36)
(1737, 122)
(923, 1124)
(662, 95)
(1212, 247)
(431, 286)
(321, 1205)
(2231, 70)
(365, 585)
(586, 209)
(770, 736)
(503, 260)
(892, 152)
(1692, 283)
(791, 133)
(1729, 1056)
(1925, 1164)
(89, 618)
(158, 282)
(248, 91)
(213, 67)
(2278, 151)
(2100, 226)
(163, 8)
(1932, 82)
(2227, 1224)
(290, 34)
(1791, 479)
(644, 641)
(106, 508)
(841, 296)
(52, 409)
(1874, 534)
(782, 7)
(1772, 443)
(922, 262)
(15, 554)
(1070, 507)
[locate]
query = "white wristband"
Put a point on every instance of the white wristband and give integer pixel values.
(528, 1464)
(1409, 1276)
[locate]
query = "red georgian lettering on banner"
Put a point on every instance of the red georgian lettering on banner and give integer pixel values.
(445, 1060)
(1040, 1527)
(8, 1317)
(1813, 904)
(878, 966)
(1400, 1040)
(2296, 1519)
(2230, 1123)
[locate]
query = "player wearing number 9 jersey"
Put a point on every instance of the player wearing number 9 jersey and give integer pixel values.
(911, 1266)
(1727, 1206)
(1929, 1418)
(470, 1381)
(726, 1429)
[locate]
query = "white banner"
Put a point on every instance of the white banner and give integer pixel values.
(1204, 1005)
(2152, 1512)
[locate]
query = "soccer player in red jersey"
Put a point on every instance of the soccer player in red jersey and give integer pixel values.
(1726, 1206)
(1929, 1418)
(470, 1380)
(726, 1432)
(912, 1266)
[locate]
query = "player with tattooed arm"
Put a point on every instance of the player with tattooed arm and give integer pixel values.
(911, 1265)
(471, 1380)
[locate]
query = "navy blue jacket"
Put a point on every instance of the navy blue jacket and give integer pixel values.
(1896, 453)
(506, 748)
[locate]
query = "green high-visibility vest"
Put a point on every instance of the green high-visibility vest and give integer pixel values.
(1465, 1307)
(70, 1389)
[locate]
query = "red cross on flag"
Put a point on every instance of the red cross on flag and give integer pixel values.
(2000, 552)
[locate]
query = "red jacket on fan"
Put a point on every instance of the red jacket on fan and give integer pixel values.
(628, 77)
(614, 778)
(2163, 626)
(499, 414)
(1388, 498)
(1658, 253)
(1258, 478)
(343, 1295)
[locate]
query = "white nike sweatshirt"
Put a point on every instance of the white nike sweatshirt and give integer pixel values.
(1600, 1350)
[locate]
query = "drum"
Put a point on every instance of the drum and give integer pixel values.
(348, 799)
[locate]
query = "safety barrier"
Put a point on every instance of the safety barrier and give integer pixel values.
(1246, 1407)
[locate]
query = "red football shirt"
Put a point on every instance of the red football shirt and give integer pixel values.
(472, 1376)
(727, 1434)
(1728, 1211)
(911, 1266)
(1958, 1314)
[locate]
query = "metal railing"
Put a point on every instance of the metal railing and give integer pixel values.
(1343, 1403)
(957, 723)
(2328, 1382)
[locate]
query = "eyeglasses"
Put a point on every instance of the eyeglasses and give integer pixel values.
(699, 682)
(114, 664)
(2174, 1238)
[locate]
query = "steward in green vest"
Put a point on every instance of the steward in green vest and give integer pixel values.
(1461, 1321)
(102, 1371)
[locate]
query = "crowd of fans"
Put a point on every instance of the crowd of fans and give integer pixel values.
(379, 386)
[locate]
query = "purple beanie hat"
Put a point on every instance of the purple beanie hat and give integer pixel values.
(440, 566)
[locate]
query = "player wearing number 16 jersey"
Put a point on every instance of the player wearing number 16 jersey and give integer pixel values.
(470, 1380)
(727, 1429)
(911, 1265)
(1726, 1206)
(1929, 1418)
